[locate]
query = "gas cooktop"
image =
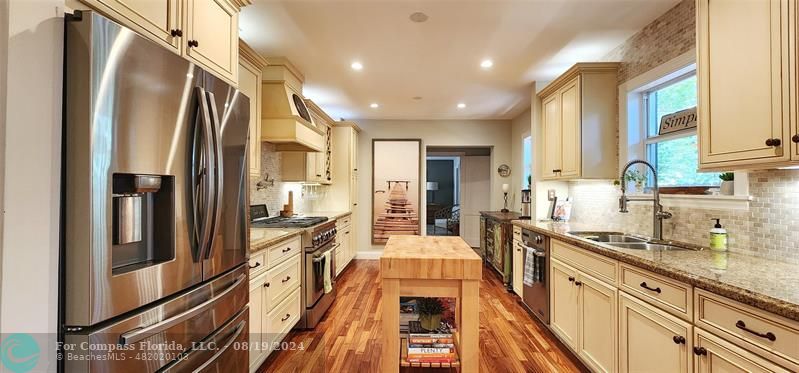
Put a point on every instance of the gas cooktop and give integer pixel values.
(259, 218)
(292, 222)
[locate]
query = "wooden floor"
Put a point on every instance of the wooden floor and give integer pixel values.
(348, 338)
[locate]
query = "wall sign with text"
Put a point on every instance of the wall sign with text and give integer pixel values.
(679, 121)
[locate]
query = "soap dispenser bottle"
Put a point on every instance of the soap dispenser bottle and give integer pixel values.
(718, 237)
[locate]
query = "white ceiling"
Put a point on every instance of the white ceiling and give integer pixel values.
(528, 40)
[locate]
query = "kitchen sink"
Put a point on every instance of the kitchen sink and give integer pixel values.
(646, 246)
(624, 241)
(609, 237)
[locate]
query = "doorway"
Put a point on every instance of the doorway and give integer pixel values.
(458, 181)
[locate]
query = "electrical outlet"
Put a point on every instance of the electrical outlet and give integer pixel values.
(551, 194)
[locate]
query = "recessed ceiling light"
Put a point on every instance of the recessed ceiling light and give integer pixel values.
(486, 64)
(418, 17)
(461, 105)
(357, 66)
(374, 105)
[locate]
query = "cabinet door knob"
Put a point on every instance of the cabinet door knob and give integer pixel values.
(700, 351)
(266, 285)
(571, 279)
(678, 339)
(578, 283)
(773, 142)
(176, 33)
(194, 43)
(795, 138)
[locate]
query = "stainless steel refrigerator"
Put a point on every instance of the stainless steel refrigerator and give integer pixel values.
(155, 207)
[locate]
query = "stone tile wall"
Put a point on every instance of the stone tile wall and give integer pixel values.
(305, 196)
(769, 229)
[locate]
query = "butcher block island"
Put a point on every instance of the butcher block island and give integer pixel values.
(430, 266)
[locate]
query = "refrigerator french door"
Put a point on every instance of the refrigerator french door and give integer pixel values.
(155, 196)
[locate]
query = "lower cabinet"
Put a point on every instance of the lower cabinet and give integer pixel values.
(518, 266)
(346, 244)
(275, 303)
(713, 354)
(583, 315)
(651, 340)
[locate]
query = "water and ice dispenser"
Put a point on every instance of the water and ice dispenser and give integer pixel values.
(144, 221)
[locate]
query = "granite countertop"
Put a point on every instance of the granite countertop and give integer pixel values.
(261, 238)
(501, 216)
(766, 284)
(332, 215)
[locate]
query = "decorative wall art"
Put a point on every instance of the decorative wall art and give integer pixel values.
(396, 176)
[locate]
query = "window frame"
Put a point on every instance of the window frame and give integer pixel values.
(648, 116)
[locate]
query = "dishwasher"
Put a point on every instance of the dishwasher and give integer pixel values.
(535, 293)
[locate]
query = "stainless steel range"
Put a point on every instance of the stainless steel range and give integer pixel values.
(319, 250)
(259, 218)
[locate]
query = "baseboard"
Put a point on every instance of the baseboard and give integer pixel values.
(369, 255)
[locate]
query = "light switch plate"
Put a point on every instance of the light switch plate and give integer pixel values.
(551, 194)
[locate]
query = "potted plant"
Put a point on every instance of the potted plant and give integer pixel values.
(636, 177)
(727, 183)
(430, 310)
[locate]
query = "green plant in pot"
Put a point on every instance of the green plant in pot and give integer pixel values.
(636, 177)
(430, 310)
(727, 183)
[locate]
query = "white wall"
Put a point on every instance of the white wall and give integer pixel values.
(30, 147)
(494, 133)
(521, 127)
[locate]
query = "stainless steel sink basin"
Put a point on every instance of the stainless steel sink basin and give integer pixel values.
(608, 237)
(624, 241)
(647, 246)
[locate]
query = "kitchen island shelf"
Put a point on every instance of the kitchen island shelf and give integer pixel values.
(407, 364)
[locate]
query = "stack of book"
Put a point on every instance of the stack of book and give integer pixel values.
(431, 348)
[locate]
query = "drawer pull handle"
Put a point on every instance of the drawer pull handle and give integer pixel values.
(656, 290)
(286, 317)
(767, 335)
(257, 264)
(266, 285)
(700, 351)
(285, 280)
(571, 279)
(678, 339)
(286, 250)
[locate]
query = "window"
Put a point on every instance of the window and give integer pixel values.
(527, 161)
(675, 155)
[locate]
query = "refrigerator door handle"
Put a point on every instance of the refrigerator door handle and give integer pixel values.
(218, 177)
(225, 347)
(139, 334)
(202, 171)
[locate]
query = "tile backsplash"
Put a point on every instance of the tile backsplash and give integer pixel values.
(767, 229)
(275, 196)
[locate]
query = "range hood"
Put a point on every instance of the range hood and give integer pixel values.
(285, 120)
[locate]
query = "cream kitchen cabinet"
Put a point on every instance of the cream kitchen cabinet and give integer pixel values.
(342, 194)
(715, 355)
(311, 167)
(746, 97)
(583, 313)
(579, 123)
(159, 21)
(345, 240)
(651, 340)
(205, 32)
(250, 66)
(518, 262)
(275, 301)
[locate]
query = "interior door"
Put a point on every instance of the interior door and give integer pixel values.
(229, 243)
(475, 191)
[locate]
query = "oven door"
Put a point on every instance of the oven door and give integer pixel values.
(316, 263)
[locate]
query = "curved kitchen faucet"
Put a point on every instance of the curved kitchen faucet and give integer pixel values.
(658, 214)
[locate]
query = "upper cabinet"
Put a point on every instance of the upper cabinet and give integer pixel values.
(205, 32)
(579, 123)
(747, 102)
(250, 66)
(212, 34)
